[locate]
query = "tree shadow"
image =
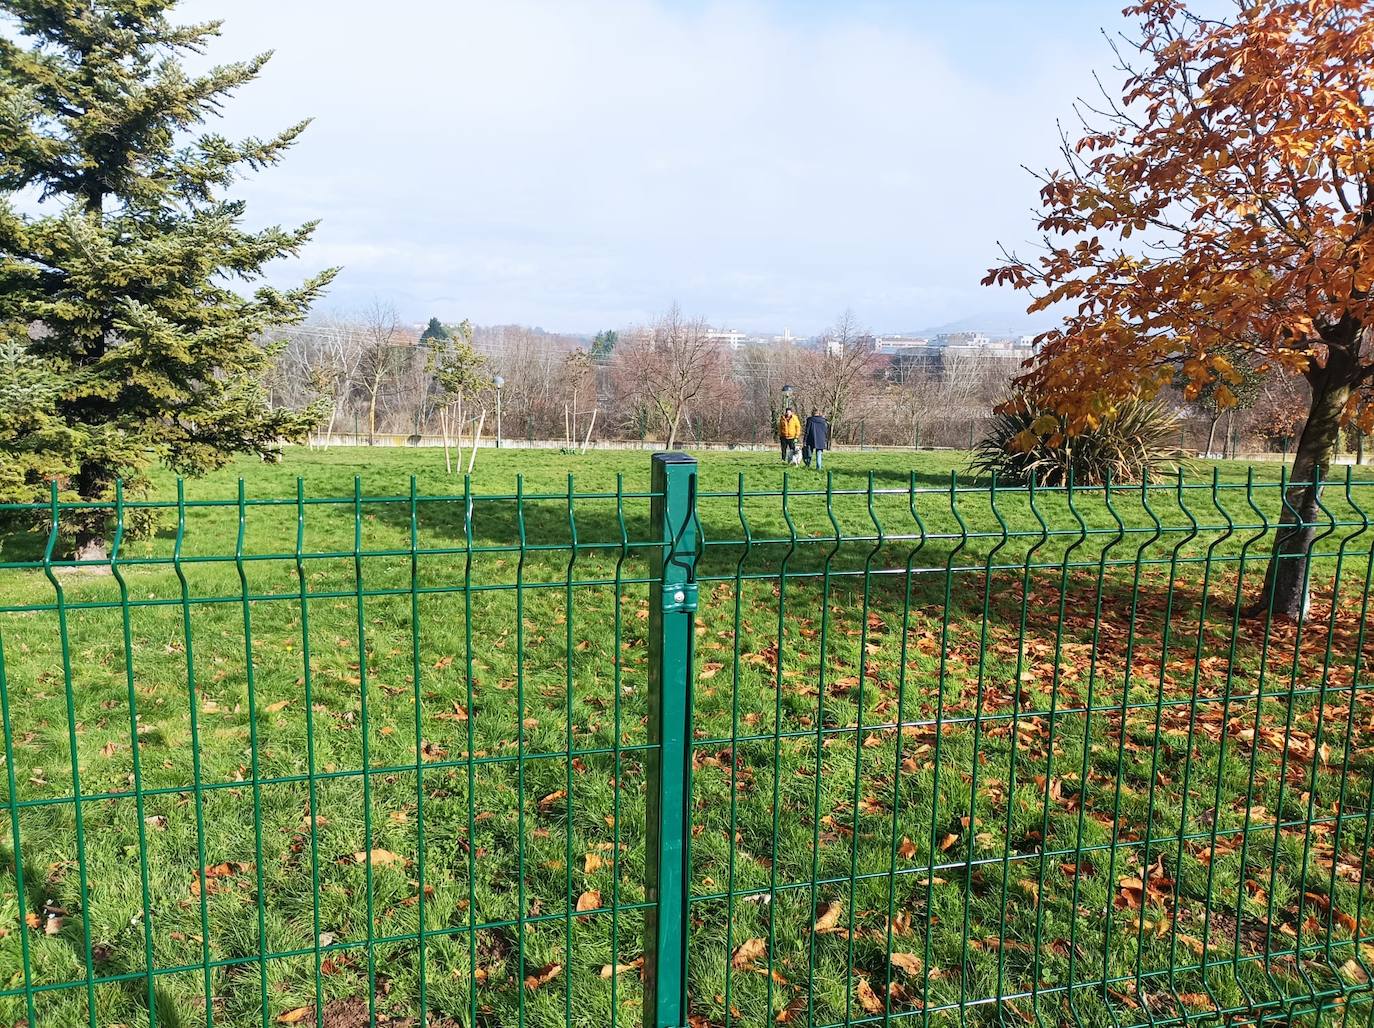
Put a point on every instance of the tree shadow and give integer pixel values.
(36, 897)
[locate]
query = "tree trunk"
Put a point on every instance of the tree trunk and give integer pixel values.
(1212, 434)
(90, 545)
(443, 428)
(92, 483)
(1286, 581)
(372, 419)
(672, 429)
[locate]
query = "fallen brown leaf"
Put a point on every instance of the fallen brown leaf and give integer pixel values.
(634, 965)
(747, 952)
(827, 918)
(380, 858)
(589, 900)
(868, 999)
(908, 962)
(543, 976)
(794, 1011)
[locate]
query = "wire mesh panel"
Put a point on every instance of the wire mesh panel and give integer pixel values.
(825, 754)
(973, 754)
(327, 761)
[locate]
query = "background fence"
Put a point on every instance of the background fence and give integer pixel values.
(676, 756)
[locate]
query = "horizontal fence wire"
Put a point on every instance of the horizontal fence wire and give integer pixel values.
(959, 752)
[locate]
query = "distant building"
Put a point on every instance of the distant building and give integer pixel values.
(733, 338)
(901, 346)
(962, 339)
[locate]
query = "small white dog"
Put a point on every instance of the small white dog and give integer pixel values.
(795, 459)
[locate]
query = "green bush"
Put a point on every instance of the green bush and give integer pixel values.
(1138, 440)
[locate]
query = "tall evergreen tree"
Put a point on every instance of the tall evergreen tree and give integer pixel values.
(434, 332)
(120, 281)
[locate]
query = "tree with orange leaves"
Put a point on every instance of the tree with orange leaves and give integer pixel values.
(1224, 201)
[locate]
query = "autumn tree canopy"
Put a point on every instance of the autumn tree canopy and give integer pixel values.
(1224, 201)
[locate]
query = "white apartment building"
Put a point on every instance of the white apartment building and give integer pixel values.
(898, 346)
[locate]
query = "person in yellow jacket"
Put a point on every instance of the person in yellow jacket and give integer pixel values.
(789, 431)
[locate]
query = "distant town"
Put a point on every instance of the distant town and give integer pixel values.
(899, 345)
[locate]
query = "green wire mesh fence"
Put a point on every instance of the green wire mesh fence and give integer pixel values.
(895, 750)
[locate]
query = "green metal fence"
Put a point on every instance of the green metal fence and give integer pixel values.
(843, 752)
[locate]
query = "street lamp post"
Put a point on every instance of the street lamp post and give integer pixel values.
(499, 382)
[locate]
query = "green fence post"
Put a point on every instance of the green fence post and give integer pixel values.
(672, 607)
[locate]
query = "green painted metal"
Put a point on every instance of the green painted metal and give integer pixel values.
(832, 750)
(672, 616)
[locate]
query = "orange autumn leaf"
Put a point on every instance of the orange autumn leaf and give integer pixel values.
(607, 970)
(589, 900)
(380, 858)
(542, 976)
(794, 1012)
(908, 962)
(827, 918)
(868, 999)
(747, 952)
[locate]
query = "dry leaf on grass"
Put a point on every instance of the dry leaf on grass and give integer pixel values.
(908, 962)
(794, 1011)
(294, 1016)
(607, 970)
(828, 917)
(589, 900)
(749, 951)
(543, 976)
(380, 858)
(868, 999)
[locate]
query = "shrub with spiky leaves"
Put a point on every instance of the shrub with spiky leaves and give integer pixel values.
(1028, 443)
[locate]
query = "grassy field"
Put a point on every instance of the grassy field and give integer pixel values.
(969, 745)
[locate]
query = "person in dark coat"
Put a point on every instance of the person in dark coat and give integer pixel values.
(815, 439)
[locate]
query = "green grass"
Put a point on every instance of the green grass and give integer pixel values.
(971, 725)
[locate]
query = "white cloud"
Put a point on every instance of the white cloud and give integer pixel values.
(583, 162)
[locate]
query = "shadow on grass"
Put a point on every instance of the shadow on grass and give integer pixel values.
(37, 895)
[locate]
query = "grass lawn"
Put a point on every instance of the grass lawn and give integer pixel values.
(958, 751)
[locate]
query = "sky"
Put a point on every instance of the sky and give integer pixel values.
(583, 164)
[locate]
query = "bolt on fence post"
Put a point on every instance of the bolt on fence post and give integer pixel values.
(672, 609)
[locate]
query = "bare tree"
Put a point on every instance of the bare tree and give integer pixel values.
(667, 367)
(839, 375)
(379, 329)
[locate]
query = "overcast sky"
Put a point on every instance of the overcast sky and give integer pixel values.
(581, 164)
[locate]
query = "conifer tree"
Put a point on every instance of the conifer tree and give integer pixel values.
(128, 281)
